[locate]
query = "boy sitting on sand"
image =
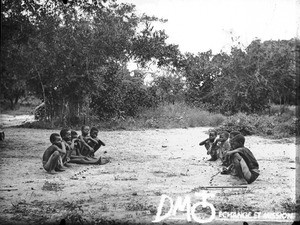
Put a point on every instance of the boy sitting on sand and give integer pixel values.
(94, 141)
(243, 161)
(226, 158)
(71, 144)
(223, 145)
(52, 157)
(85, 138)
(211, 145)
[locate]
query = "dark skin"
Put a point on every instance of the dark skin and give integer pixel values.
(85, 137)
(66, 139)
(74, 139)
(234, 147)
(53, 148)
(212, 136)
(210, 145)
(222, 138)
(79, 159)
(72, 145)
(98, 142)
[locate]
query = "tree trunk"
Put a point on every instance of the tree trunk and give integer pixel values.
(44, 94)
(12, 106)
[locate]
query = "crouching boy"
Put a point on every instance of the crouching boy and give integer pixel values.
(211, 146)
(52, 158)
(243, 161)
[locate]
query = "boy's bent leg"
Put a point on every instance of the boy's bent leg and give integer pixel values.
(243, 170)
(103, 161)
(52, 162)
(237, 170)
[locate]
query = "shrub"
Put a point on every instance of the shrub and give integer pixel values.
(216, 120)
(280, 109)
(278, 126)
(39, 125)
(287, 128)
(239, 122)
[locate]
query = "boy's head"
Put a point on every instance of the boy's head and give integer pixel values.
(65, 134)
(233, 134)
(55, 138)
(212, 135)
(224, 136)
(94, 132)
(74, 134)
(85, 130)
(237, 141)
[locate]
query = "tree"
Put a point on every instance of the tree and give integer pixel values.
(16, 31)
(76, 49)
(199, 72)
(250, 79)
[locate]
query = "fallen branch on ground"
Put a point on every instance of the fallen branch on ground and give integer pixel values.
(235, 186)
(8, 189)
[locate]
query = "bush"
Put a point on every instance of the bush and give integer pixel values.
(281, 109)
(278, 126)
(239, 122)
(178, 115)
(39, 125)
(287, 128)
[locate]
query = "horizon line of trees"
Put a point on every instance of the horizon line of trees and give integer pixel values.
(74, 57)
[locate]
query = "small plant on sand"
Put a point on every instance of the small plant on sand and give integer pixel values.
(49, 186)
(289, 205)
(74, 214)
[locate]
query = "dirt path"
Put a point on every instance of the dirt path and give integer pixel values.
(14, 120)
(145, 165)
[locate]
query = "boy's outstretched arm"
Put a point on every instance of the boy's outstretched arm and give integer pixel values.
(233, 151)
(203, 142)
(86, 144)
(101, 143)
(92, 139)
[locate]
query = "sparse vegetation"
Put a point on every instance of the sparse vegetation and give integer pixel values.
(278, 122)
(276, 125)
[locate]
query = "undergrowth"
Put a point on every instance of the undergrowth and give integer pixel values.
(277, 122)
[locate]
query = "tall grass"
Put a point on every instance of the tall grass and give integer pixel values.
(178, 115)
(278, 122)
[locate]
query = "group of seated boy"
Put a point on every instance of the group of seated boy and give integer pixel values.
(67, 147)
(236, 159)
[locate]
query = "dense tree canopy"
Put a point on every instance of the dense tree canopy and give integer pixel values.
(71, 54)
(74, 57)
(244, 80)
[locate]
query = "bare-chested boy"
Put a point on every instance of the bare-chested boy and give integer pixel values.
(94, 141)
(71, 145)
(85, 148)
(227, 158)
(52, 158)
(211, 145)
(223, 145)
(233, 134)
(243, 160)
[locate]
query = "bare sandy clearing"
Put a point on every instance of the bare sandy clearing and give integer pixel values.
(9, 120)
(145, 165)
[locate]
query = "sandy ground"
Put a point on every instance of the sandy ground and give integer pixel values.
(10, 120)
(145, 165)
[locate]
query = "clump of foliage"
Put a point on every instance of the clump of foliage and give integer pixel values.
(74, 58)
(278, 126)
(239, 122)
(178, 115)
